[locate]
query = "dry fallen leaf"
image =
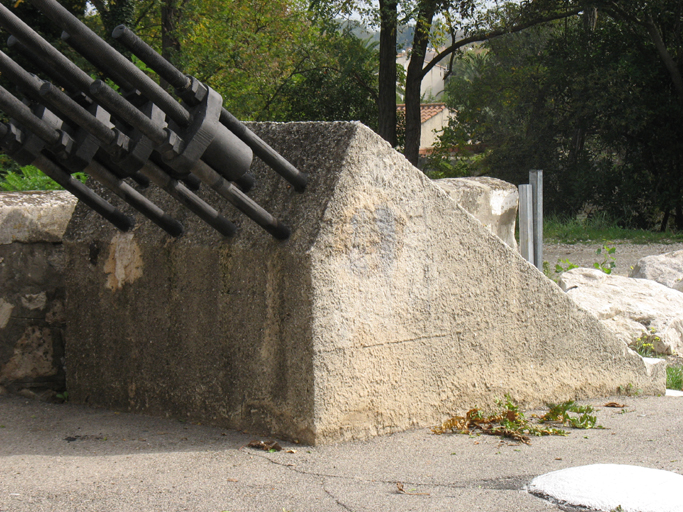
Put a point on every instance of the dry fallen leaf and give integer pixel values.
(290, 451)
(615, 404)
(266, 445)
(401, 490)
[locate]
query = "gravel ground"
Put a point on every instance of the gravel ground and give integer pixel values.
(626, 255)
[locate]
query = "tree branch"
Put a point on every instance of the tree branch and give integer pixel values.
(143, 15)
(484, 36)
(101, 8)
(665, 56)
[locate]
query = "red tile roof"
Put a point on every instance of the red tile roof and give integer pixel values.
(427, 110)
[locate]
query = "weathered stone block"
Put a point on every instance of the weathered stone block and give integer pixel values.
(389, 307)
(35, 216)
(493, 202)
(32, 288)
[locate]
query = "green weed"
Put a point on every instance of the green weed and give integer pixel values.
(645, 344)
(606, 265)
(32, 178)
(562, 414)
(608, 261)
(507, 422)
(629, 390)
(674, 377)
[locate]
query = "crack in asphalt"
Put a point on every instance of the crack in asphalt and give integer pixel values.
(513, 483)
(336, 500)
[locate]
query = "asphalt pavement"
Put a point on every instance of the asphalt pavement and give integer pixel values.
(64, 457)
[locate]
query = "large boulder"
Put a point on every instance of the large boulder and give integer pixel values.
(629, 307)
(491, 201)
(666, 269)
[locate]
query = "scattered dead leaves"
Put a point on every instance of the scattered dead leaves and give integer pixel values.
(269, 446)
(508, 423)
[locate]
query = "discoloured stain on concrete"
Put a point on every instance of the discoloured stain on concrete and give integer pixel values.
(32, 358)
(5, 313)
(34, 300)
(124, 263)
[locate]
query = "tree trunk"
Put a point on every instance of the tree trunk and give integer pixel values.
(414, 80)
(665, 221)
(170, 45)
(386, 102)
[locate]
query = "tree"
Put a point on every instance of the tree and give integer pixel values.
(339, 82)
(661, 22)
(469, 17)
(587, 100)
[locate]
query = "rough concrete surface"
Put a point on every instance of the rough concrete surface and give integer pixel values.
(69, 458)
(388, 308)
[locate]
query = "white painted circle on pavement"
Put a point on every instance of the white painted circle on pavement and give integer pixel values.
(608, 486)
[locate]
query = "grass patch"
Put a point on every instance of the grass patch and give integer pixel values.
(32, 178)
(598, 229)
(674, 377)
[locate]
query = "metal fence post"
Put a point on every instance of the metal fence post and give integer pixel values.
(526, 229)
(536, 181)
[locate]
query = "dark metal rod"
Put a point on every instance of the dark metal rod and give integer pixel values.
(114, 103)
(188, 199)
(135, 199)
(110, 58)
(90, 56)
(72, 110)
(48, 134)
(109, 99)
(261, 149)
(28, 84)
(180, 81)
(240, 200)
(40, 46)
(150, 57)
(16, 109)
(42, 65)
(90, 198)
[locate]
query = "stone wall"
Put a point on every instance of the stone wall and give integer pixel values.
(389, 307)
(32, 291)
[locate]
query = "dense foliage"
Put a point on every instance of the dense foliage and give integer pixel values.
(587, 100)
